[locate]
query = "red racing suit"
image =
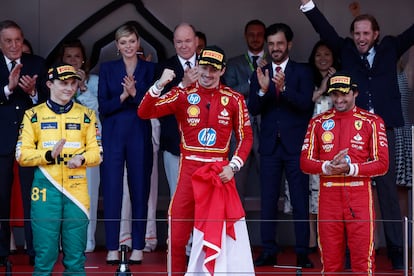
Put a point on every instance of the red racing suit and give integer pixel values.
(345, 201)
(206, 119)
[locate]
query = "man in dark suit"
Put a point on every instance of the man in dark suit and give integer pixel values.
(281, 92)
(21, 85)
(373, 63)
(183, 64)
(237, 76)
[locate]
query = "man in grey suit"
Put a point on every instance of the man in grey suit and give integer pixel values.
(237, 76)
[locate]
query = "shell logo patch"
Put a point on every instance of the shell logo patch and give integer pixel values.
(328, 124)
(193, 98)
(224, 100)
(327, 137)
(358, 137)
(224, 113)
(358, 124)
(193, 111)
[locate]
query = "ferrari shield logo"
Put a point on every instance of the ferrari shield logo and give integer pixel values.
(224, 100)
(358, 124)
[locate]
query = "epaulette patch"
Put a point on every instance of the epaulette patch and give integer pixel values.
(86, 119)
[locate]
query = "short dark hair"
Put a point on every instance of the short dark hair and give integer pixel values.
(254, 22)
(280, 27)
(28, 44)
(201, 35)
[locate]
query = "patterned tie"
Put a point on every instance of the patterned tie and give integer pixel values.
(365, 61)
(277, 70)
(254, 62)
(188, 63)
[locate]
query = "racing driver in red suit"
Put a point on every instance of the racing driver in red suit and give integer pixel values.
(347, 146)
(207, 112)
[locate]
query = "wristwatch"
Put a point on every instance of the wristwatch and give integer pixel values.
(234, 167)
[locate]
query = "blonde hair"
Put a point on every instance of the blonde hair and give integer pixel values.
(126, 30)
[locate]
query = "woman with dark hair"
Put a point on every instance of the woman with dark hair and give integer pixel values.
(324, 65)
(126, 141)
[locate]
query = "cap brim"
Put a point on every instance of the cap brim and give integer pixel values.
(343, 90)
(70, 76)
(206, 62)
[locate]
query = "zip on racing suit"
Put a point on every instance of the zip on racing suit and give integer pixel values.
(206, 119)
(345, 201)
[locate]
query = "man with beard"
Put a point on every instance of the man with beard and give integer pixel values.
(346, 146)
(281, 92)
(373, 64)
(237, 76)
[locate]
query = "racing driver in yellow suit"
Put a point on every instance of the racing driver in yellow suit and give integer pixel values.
(60, 138)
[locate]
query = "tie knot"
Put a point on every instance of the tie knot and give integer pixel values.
(254, 61)
(188, 63)
(365, 61)
(278, 69)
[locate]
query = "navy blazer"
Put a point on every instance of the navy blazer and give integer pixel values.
(170, 136)
(12, 109)
(287, 117)
(378, 87)
(111, 76)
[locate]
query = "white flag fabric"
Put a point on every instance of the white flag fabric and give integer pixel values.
(220, 239)
(233, 258)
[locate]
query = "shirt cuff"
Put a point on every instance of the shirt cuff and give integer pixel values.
(154, 91)
(35, 97)
(7, 91)
(324, 164)
(237, 161)
(307, 7)
(353, 170)
(261, 93)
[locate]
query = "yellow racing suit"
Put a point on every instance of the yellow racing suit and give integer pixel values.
(60, 200)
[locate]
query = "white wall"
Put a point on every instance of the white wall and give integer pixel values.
(46, 22)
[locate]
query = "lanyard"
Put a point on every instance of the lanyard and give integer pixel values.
(248, 59)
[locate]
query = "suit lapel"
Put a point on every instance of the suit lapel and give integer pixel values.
(4, 71)
(289, 70)
(179, 68)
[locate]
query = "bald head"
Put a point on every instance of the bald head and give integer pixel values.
(185, 40)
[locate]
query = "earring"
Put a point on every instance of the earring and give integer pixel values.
(117, 52)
